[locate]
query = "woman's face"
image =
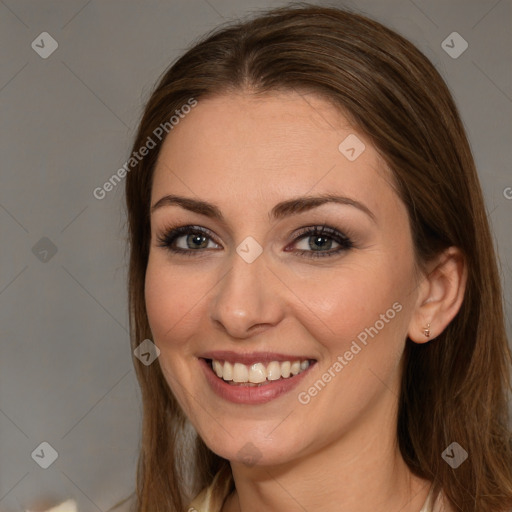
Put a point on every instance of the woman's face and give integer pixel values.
(256, 292)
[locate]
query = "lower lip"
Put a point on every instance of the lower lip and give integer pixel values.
(252, 395)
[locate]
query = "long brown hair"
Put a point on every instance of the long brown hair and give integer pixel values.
(455, 389)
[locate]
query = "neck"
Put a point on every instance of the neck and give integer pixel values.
(363, 471)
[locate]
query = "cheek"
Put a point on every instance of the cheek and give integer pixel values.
(170, 300)
(345, 302)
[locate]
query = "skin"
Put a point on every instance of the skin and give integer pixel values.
(245, 153)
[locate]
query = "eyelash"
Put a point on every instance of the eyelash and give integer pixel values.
(174, 232)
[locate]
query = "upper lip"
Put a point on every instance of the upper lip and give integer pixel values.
(249, 358)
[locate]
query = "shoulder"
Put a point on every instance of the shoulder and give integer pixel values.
(436, 501)
(439, 504)
(211, 498)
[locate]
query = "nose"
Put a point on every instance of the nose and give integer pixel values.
(247, 299)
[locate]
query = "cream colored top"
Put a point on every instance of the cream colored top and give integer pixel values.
(211, 498)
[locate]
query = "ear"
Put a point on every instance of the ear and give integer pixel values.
(440, 295)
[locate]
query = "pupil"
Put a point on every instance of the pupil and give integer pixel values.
(197, 238)
(316, 239)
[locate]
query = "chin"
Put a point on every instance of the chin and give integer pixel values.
(255, 449)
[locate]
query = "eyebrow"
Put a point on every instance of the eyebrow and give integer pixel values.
(283, 209)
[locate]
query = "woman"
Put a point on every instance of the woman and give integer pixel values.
(311, 256)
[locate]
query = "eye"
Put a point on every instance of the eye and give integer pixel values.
(186, 239)
(319, 239)
(192, 240)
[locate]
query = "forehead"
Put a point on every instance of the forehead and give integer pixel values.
(268, 147)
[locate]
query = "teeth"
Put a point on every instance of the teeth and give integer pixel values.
(227, 371)
(295, 368)
(217, 368)
(257, 372)
(240, 373)
(273, 371)
(285, 369)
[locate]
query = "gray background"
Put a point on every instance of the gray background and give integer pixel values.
(67, 124)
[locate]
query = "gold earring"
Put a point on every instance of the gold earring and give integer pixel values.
(426, 331)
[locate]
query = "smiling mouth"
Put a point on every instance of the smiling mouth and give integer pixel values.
(257, 374)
